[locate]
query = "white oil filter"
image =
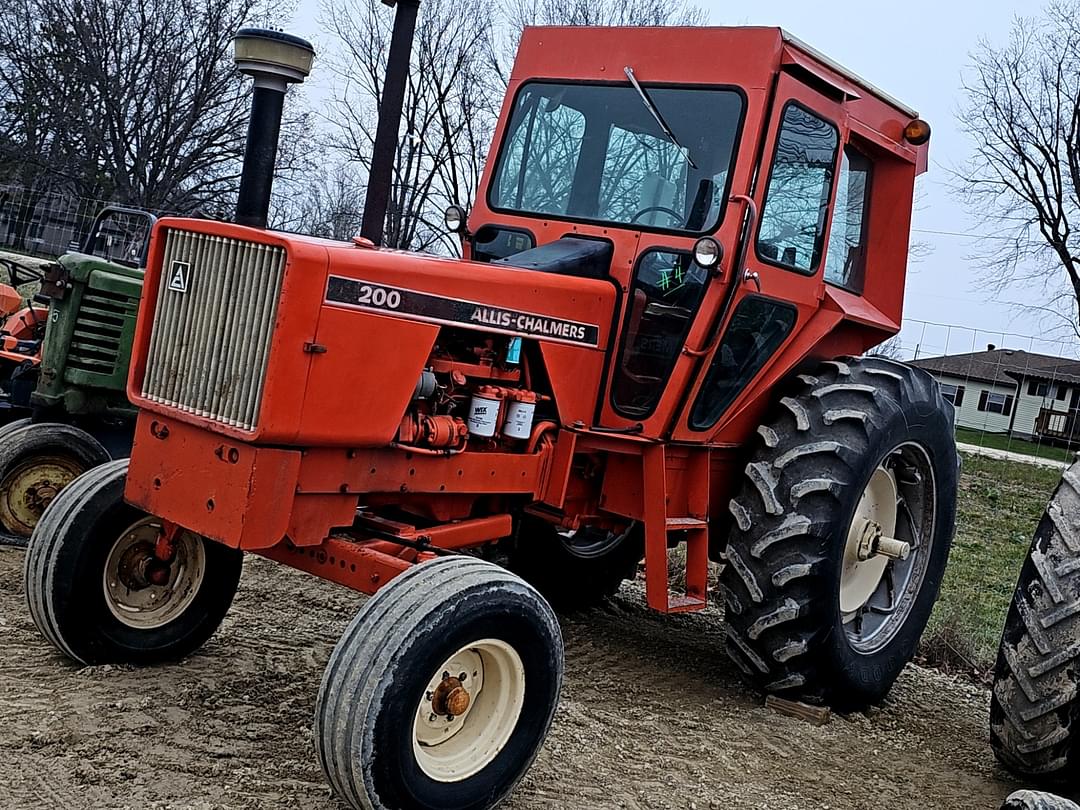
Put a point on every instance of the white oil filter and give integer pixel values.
(519, 419)
(483, 415)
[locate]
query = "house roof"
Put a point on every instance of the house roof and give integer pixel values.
(1003, 366)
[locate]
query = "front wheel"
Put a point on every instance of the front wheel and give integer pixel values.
(37, 460)
(842, 531)
(441, 690)
(97, 591)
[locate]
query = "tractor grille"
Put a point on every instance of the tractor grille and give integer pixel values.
(99, 327)
(216, 304)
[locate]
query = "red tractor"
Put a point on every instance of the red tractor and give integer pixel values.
(671, 270)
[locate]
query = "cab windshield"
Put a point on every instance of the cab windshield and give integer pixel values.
(597, 153)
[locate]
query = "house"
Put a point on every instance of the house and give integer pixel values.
(1031, 396)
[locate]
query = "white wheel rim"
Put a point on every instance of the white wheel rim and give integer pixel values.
(860, 578)
(146, 606)
(452, 747)
(888, 549)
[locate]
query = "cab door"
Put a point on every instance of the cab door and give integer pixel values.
(777, 281)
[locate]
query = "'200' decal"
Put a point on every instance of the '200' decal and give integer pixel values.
(378, 297)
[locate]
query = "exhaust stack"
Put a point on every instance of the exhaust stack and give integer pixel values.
(275, 60)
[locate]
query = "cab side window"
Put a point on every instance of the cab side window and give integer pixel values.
(845, 260)
(797, 198)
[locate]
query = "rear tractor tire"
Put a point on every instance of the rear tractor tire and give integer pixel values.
(841, 533)
(578, 570)
(1035, 709)
(37, 460)
(97, 592)
(441, 690)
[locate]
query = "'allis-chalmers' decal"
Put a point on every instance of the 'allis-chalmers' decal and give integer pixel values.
(356, 294)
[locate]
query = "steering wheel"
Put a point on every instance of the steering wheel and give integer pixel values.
(20, 274)
(675, 215)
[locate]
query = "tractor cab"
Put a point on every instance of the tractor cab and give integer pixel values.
(729, 200)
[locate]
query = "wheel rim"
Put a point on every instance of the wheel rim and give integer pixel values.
(879, 584)
(449, 746)
(145, 598)
(30, 487)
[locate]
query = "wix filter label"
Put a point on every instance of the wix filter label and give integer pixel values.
(357, 294)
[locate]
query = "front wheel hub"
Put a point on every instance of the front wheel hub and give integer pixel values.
(469, 710)
(144, 592)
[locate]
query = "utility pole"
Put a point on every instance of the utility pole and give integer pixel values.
(386, 135)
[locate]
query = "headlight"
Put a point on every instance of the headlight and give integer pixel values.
(707, 252)
(454, 217)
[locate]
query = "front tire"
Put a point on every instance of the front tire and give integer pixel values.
(96, 592)
(441, 690)
(37, 460)
(1035, 710)
(858, 466)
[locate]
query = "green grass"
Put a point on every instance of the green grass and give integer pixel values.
(999, 506)
(1002, 441)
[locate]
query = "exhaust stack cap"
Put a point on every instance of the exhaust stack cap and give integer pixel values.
(272, 57)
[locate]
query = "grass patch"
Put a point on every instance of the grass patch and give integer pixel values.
(1002, 441)
(999, 505)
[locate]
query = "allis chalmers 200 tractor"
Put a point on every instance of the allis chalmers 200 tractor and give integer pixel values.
(671, 269)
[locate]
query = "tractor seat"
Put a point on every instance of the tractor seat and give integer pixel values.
(570, 256)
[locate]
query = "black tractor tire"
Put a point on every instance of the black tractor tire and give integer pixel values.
(380, 673)
(8, 427)
(575, 572)
(1035, 709)
(54, 452)
(67, 591)
(1033, 800)
(786, 551)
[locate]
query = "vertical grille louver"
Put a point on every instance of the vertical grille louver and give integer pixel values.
(210, 345)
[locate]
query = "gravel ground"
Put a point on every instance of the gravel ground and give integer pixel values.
(652, 716)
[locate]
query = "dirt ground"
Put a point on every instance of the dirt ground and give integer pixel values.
(652, 716)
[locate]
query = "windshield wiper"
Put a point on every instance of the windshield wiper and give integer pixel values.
(629, 71)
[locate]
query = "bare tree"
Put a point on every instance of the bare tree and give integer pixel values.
(892, 349)
(1023, 181)
(448, 113)
(134, 101)
(328, 203)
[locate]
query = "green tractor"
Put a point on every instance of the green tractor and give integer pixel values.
(79, 413)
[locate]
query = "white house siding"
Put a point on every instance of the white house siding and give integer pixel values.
(1028, 408)
(968, 414)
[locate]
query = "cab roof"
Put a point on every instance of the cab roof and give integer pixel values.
(754, 52)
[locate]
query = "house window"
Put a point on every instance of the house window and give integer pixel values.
(1061, 392)
(1037, 388)
(995, 402)
(952, 393)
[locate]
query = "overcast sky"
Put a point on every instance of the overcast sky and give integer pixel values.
(915, 50)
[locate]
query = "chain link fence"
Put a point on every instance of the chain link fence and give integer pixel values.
(45, 223)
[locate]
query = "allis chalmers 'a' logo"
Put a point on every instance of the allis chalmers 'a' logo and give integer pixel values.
(179, 277)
